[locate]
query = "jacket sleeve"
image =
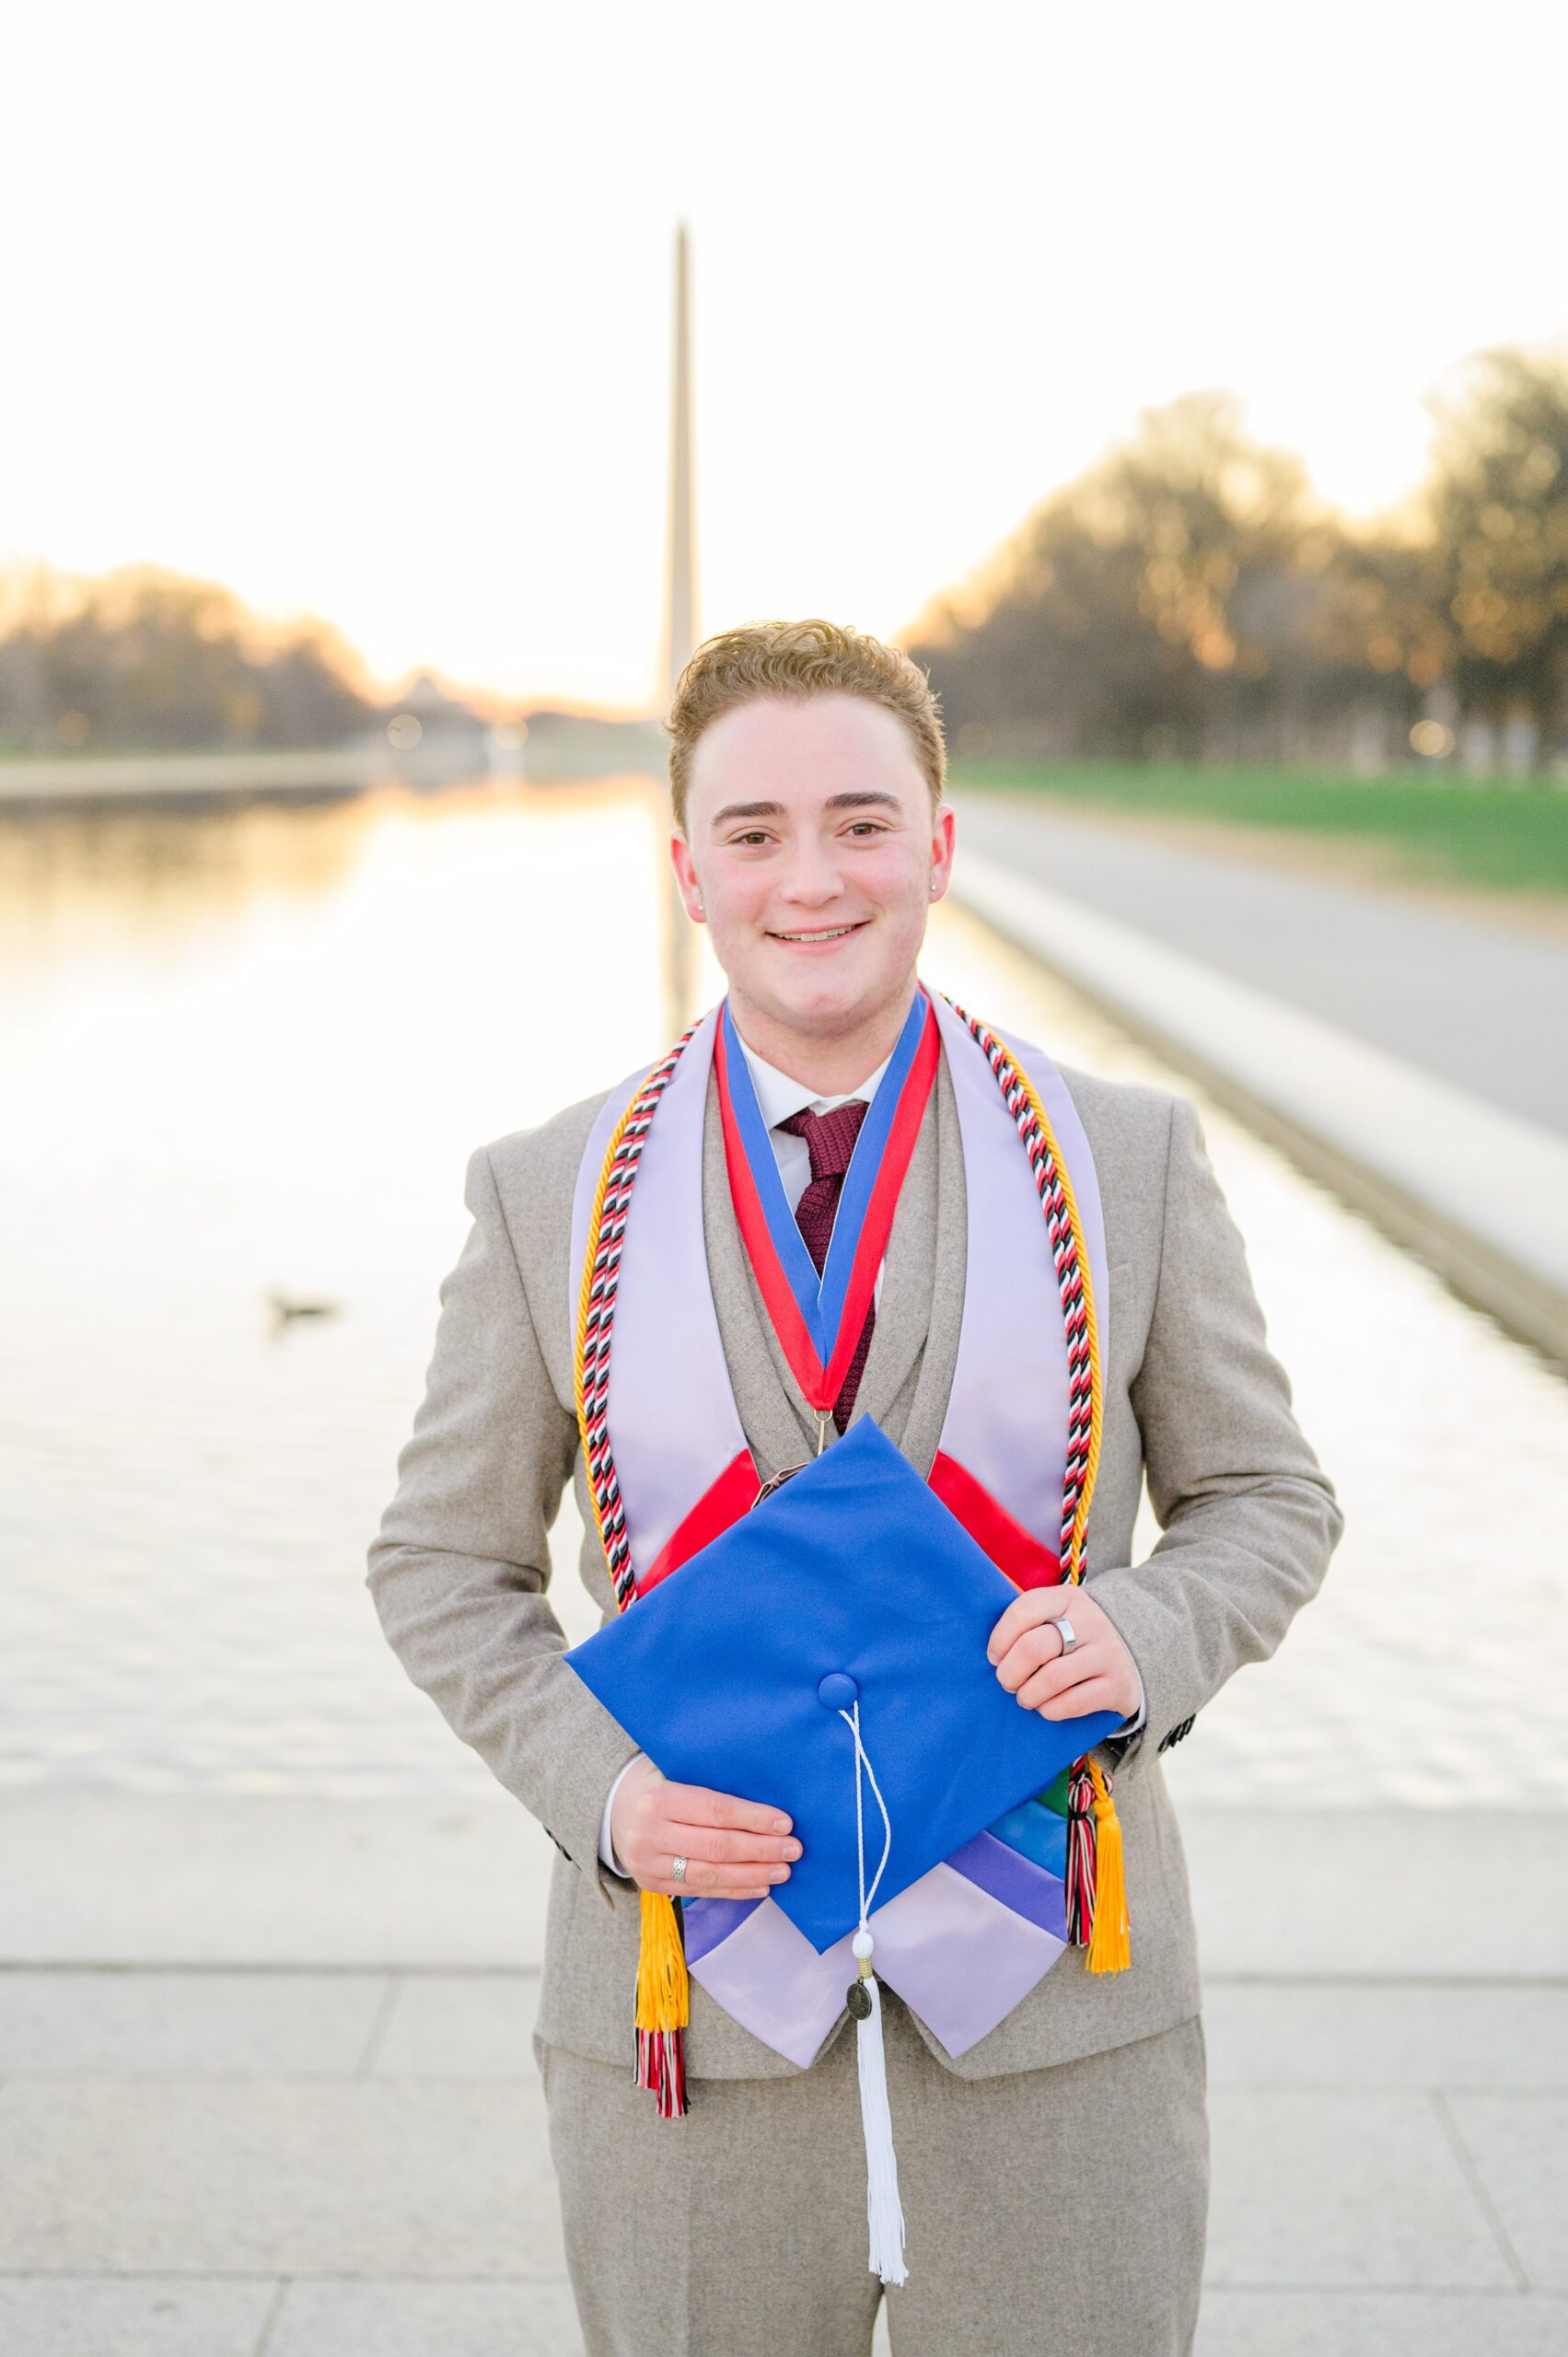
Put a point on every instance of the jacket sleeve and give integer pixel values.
(1248, 1518)
(460, 1569)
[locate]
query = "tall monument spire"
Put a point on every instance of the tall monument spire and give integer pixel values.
(680, 585)
(681, 961)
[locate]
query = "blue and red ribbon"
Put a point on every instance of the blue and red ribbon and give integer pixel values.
(818, 1320)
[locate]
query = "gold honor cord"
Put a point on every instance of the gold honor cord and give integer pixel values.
(1109, 1946)
(1074, 1566)
(585, 1300)
(663, 2006)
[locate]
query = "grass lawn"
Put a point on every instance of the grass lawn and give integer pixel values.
(1487, 833)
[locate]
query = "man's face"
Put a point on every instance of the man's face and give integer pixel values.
(812, 854)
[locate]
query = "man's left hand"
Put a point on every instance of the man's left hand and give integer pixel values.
(1100, 1673)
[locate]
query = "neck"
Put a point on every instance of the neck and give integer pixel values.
(827, 1062)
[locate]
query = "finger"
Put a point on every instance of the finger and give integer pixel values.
(1074, 1702)
(703, 1880)
(1026, 1611)
(731, 1890)
(728, 1849)
(1032, 1651)
(1099, 1694)
(696, 1805)
(1061, 1672)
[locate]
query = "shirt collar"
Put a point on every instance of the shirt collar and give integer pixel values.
(778, 1095)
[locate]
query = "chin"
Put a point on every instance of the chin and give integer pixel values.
(829, 997)
(819, 1009)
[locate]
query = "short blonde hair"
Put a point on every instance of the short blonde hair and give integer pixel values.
(808, 659)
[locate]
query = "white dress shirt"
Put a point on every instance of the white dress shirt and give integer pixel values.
(779, 1097)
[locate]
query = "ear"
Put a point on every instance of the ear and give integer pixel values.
(943, 839)
(686, 878)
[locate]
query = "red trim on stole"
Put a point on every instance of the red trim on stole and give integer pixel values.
(1027, 1560)
(721, 1504)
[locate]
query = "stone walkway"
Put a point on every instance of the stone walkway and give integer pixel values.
(334, 2145)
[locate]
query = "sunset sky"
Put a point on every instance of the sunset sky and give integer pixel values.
(365, 310)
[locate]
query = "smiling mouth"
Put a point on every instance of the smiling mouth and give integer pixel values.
(825, 933)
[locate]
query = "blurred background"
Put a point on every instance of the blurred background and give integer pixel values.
(395, 399)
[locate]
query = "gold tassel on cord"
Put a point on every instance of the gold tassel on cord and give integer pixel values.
(663, 1990)
(1109, 1948)
(664, 2004)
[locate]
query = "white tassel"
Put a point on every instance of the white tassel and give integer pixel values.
(884, 2210)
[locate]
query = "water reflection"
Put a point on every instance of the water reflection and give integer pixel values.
(249, 1051)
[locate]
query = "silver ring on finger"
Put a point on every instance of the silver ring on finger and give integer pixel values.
(677, 1870)
(1068, 1634)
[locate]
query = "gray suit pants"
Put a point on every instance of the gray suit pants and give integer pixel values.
(1058, 2212)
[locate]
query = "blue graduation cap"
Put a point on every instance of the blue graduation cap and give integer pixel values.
(851, 1584)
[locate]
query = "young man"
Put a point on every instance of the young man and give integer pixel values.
(1043, 1328)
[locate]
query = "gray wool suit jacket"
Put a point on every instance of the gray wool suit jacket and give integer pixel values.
(460, 1570)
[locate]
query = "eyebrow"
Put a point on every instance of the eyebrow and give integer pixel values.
(858, 799)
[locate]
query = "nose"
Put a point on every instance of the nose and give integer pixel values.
(813, 879)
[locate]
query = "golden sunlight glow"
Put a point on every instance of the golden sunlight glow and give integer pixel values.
(371, 317)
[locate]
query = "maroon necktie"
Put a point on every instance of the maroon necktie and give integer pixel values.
(830, 1141)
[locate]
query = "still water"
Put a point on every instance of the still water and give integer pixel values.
(247, 1052)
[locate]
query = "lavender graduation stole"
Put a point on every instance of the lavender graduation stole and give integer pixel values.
(669, 1466)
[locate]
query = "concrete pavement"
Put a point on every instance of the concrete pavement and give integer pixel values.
(329, 2136)
(1456, 996)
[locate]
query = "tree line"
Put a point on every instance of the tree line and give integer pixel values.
(1192, 596)
(144, 660)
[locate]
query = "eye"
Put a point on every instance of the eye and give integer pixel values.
(867, 827)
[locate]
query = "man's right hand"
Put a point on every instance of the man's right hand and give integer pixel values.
(734, 1848)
